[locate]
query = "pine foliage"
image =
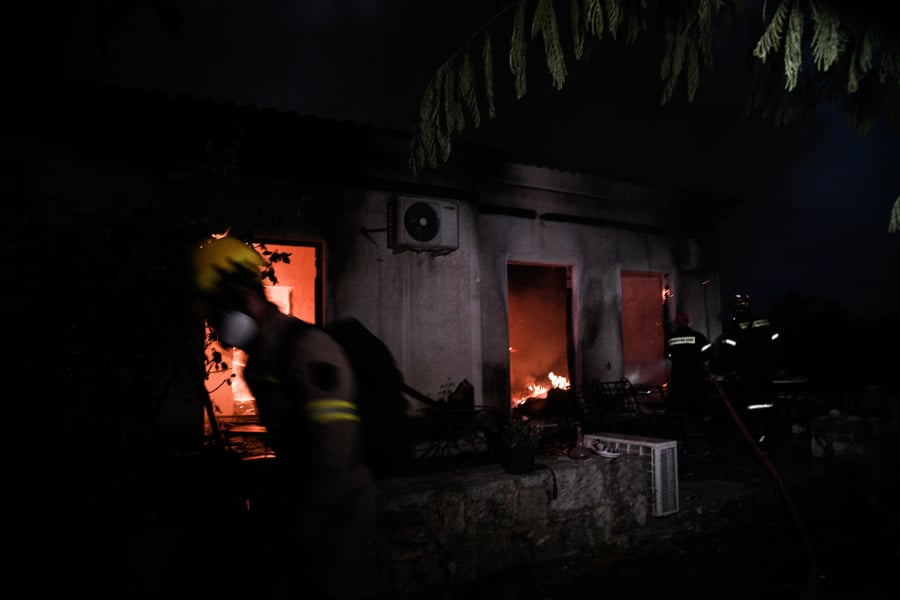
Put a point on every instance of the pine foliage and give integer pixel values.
(544, 24)
(853, 51)
(487, 62)
(894, 225)
(828, 40)
(456, 91)
(808, 51)
(467, 88)
(793, 49)
(517, 50)
(770, 42)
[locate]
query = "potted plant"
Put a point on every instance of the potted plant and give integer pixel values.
(519, 443)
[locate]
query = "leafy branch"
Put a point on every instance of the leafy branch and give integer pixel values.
(452, 93)
(852, 47)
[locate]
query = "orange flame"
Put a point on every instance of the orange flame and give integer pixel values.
(537, 390)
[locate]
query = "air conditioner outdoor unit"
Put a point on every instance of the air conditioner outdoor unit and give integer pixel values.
(426, 224)
(663, 473)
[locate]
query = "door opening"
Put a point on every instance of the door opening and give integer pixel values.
(644, 328)
(297, 292)
(540, 331)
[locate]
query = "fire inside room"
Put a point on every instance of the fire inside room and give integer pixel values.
(539, 331)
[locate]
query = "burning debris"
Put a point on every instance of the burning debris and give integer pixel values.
(537, 390)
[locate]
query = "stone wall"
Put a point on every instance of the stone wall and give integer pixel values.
(442, 531)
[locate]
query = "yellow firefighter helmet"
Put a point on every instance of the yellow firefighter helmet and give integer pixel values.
(221, 257)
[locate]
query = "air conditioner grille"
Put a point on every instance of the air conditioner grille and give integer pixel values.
(663, 471)
(421, 221)
(423, 224)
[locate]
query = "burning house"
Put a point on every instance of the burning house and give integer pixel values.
(517, 278)
(523, 282)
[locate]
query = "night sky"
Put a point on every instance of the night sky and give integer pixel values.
(809, 205)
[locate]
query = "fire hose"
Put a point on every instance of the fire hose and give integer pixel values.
(812, 562)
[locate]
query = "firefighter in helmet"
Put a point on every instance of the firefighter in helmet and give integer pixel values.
(305, 391)
(750, 355)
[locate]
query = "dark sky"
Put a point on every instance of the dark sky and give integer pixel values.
(814, 201)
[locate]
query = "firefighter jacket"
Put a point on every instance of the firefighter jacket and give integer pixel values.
(688, 351)
(304, 388)
(324, 515)
(751, 349)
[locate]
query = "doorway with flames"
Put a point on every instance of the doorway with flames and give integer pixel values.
(298, 290)
(542, 337)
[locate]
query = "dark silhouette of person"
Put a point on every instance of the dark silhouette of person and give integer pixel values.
(305, 391)
(688, 352)
(751, 354)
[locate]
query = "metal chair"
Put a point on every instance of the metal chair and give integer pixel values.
(614, 403)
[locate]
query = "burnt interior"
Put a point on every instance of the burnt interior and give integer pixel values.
(540, 334)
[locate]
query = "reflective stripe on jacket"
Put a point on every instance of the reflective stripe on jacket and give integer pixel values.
(329, 410)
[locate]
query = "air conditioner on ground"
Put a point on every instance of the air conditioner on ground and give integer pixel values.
(426, 224)
(663, 471)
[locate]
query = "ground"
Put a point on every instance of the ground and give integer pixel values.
(834, 539)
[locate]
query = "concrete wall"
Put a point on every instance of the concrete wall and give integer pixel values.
(444, 317)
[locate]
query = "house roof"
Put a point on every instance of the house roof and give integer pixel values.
(108, 122)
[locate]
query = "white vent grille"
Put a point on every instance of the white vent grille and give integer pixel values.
(663, 474)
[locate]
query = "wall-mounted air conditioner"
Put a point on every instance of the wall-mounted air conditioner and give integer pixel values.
(663, 465)
(425, 224)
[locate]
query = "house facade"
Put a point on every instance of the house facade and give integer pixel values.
(437, 264)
